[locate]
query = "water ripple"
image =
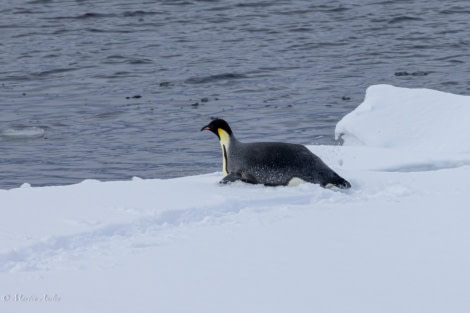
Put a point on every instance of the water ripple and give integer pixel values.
(214, 78)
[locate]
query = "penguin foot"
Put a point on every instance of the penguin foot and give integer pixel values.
(234, 176)
(230, 178)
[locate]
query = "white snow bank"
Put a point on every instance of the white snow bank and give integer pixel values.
(396, 242)
(415, 130)
(418, 119)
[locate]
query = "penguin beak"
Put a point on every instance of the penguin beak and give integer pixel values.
(206, 128)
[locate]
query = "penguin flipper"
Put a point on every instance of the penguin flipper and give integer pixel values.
(230, 178)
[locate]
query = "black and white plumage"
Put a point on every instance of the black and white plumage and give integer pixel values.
(270, 163)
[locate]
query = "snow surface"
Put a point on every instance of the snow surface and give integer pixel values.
(396, 242)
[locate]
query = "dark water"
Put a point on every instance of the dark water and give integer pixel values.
(115, 89)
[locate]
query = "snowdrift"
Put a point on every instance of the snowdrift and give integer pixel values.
(396, 242)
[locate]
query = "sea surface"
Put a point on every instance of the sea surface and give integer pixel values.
(114, 89)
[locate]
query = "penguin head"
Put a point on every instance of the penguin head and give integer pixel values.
(224, 133)
(219, 127)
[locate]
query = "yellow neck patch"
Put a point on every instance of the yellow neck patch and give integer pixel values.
(224, 144)
(224, 137)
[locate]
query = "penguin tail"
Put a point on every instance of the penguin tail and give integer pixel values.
(339, 182)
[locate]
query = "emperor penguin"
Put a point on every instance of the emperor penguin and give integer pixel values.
(270, 163)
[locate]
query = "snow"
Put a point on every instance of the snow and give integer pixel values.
(418, 119)
(396, 242)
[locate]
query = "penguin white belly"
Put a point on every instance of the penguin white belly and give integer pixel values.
(295, 181)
